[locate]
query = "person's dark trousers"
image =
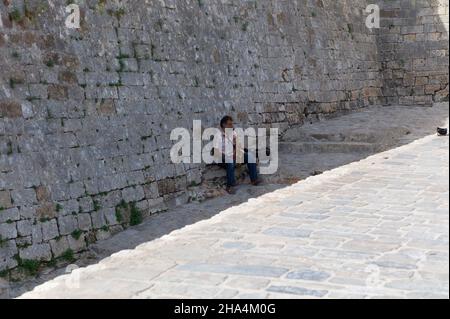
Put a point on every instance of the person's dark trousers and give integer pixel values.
(231, 168)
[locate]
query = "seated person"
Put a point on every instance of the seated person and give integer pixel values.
(227, 151)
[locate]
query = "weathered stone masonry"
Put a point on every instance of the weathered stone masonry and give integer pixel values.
(85, 115)
(413, 47)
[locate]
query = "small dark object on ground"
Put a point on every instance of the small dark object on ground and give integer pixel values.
(442, 131)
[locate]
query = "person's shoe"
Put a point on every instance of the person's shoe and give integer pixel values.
(231, 190)
(257, 182)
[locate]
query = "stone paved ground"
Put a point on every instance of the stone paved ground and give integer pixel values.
(371, 229)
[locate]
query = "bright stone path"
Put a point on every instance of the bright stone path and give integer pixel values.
(376, 228)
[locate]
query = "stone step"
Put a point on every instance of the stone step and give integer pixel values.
(359, 137)
(329, 147)
(362, 137)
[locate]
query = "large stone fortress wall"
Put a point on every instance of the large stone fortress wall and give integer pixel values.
(85, 115)
(413, 46)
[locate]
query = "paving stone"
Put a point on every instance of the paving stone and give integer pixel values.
(297, 291)
(392, 264)
(287, 232)
(238, 245)
(249, 270)
(247, 283)
(5, 199)
(308, 275)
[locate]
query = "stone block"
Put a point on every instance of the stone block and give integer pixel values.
(9, 215)
(57, 92)
(45, 211)
(133, 194)
(42, 194)
(8, 249)
(27, 109)
(77, 245)
(84, 222)
(25, 197)
(24, 227)
(86, 204)
(69, 207)
(98, 219)
(59, 246)
(49, 230)
(36, 233)
(10, 109)
(36, 252)
(77, 190)
(166, 186)
(110, 216)
(67, 224)
(151, 190)
(8, 230)
(5, 199)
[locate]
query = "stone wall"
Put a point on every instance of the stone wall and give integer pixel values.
(85, 115)
(413, 45)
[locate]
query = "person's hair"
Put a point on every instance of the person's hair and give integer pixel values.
(224, 120)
